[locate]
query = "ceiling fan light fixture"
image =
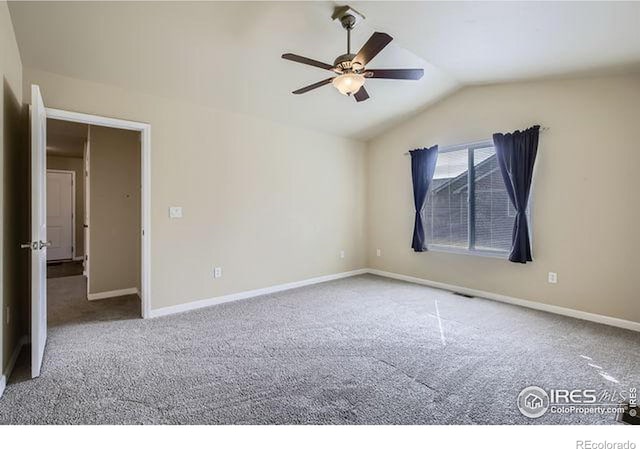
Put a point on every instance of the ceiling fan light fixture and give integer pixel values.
(348, 83)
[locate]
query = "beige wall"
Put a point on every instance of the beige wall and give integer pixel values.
(77, 166)
(585, 209)
(272, 204)
(266, 202)
(13, 194)
(114, 209)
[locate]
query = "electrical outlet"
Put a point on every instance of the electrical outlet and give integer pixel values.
(553, 277)
(217, 272)
(378, 252)
(342, 254)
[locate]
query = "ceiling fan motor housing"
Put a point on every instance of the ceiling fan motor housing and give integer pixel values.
(344, 63)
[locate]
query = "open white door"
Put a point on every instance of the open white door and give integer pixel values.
(38, 230)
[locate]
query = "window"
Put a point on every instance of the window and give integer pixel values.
(468, 208)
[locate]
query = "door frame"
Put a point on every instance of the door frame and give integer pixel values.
(145, 148)
(87, 208)
(73, 207)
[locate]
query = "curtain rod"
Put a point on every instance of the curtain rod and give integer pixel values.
(542, 129)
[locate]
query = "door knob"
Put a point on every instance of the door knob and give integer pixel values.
(44, 244)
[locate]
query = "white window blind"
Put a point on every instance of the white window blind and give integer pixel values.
(447, 201)
(493, 222)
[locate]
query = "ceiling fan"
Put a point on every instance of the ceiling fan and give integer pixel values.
(351, 68)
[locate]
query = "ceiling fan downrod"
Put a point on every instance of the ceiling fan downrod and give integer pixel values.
(348, 21)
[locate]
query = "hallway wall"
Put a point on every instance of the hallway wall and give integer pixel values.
(114, 209)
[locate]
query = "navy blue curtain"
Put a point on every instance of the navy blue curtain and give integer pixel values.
(516, 154)
(423, 165)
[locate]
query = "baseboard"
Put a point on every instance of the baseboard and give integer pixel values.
(163, 311)
(602, 319)
(24, 340)
(112, 293)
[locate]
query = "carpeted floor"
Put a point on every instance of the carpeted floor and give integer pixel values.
(63, 269)
(363, 350)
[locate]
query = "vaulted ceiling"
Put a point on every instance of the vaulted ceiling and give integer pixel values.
(227, 54)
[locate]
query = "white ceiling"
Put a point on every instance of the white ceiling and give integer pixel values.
(227, 54)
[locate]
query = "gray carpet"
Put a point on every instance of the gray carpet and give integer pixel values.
(63, 269)
(363, 350)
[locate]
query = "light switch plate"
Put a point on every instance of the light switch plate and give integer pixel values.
(553, 277)
(175, 212)
(378, 252)
(342, 254)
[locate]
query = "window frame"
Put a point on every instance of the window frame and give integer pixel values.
(471, 249)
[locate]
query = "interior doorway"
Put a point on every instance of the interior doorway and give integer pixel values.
(39, 243)
(109, 182)
(93, 225)
(98, 248)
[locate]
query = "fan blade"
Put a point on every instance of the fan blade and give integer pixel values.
(303, 90)
(307, 61)
(361, 95)
(373, 46)
(395, 74)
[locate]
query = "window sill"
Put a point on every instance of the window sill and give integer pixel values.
(469, 252)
